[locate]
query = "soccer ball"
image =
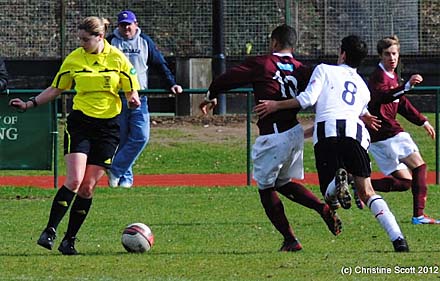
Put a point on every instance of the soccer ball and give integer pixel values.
(137, 238)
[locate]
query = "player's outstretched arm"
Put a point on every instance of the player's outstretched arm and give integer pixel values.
(371, 121)
(47, 95)
(415, 79)
(266, 107)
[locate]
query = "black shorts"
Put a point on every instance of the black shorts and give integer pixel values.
(334, 153)
(98, 138)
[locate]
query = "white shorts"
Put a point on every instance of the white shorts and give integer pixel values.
(389, 152)
(277, 158)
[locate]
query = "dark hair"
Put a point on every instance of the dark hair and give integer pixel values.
(355, 50)
(285, 35)
(387, 42)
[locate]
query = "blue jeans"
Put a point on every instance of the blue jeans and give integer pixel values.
(134, 136)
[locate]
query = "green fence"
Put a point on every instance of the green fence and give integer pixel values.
(183, 28)
(435, 89)
(29, 141)
(26, 140)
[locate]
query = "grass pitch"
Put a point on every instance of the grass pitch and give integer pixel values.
(212, 234)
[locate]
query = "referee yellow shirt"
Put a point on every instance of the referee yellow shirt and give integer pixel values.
(97, 79)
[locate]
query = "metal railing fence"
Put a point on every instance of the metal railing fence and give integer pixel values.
(249, 104)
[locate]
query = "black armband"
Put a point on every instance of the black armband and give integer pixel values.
(34, 102)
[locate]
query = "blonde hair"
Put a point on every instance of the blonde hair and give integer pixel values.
(387, 42)
(94, 25)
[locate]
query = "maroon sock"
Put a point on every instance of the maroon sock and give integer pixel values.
(275, 212)
(389, 183)
(301, 195)
(419, 190)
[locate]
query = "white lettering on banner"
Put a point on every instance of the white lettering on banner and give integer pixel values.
(8, 120)
(8, 133)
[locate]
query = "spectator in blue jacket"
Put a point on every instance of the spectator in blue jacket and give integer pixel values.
(135, 123)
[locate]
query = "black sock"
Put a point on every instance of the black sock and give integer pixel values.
(78, 213)
(60, 205)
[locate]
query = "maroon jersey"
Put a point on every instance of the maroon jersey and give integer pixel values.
(387, 99)
(273, 77)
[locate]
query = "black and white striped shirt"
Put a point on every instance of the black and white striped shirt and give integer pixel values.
(341, 97)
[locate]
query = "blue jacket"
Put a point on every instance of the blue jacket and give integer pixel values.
(143, 54)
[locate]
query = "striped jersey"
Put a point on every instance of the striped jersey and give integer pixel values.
(387, 99)
(97, 79)
(341, 97)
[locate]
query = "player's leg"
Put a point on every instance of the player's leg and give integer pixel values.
(419, 188)
(357, 200)
(292, 167)
(267, 156)
(382, 213)
(327, 162)
(75, 148)
(104, 140)
(80, 208)
(386, 153)
(75, 163)
(301, 195)
(274, 210)
(399, 181)
(333, 180)
(358, 163)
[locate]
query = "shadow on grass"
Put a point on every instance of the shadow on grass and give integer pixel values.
(201, 252)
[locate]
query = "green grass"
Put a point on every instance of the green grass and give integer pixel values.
(183, 152)
(210, 233)
(178, 155)
(207, 234)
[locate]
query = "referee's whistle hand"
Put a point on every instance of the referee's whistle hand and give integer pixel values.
(17, 103)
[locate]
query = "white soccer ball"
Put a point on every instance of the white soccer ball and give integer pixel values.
(137, 238)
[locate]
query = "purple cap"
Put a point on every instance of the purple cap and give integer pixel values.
(126, 16)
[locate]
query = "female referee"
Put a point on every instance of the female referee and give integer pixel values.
(91, 136)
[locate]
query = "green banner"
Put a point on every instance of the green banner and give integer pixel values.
(26, 138)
